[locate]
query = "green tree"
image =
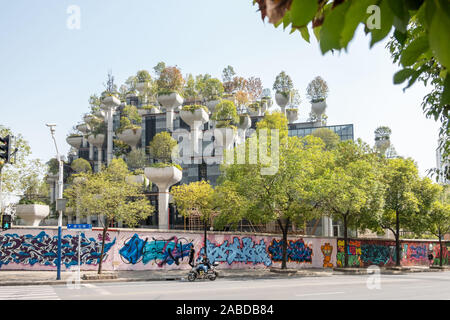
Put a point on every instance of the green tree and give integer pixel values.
(329, 137)
(402, 199)
(16, 175)
(136, 159)
(284, 196)
(317, 90)
(81, 165)
(438, 222)
(283, 84)
(227, 77)
(351, 191)
(419, 42)
(107, 194)
(162, 147)
(196, 198)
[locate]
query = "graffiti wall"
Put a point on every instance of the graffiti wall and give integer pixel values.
(36, 248)
(363, 253)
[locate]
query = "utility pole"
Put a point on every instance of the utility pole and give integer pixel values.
(60, 195)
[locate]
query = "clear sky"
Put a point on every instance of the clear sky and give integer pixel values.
(48, 71)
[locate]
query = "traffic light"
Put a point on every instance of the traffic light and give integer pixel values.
(5, 149)
(6, 222)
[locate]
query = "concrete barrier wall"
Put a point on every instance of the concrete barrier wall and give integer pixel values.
(26, 248)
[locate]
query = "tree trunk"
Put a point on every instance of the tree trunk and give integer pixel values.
(284, 243)
(397, 239)
(346, 249)
(105, 228)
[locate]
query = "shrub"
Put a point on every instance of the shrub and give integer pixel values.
(81, 165)
(161, 146)
(194, 107)
(226, 112)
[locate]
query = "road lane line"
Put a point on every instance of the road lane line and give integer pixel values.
(318, 294)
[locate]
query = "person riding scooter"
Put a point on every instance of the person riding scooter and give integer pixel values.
(204, 264)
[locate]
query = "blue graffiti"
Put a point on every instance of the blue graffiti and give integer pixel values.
(42, 249)
(418, 252)
(246, 251)
(163, 252)
(297, 251)
(375, 254)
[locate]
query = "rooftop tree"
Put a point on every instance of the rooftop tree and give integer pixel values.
(283, 84)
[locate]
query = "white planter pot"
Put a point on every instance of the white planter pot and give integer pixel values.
(143, 112)
(164, 178)
(32, 214)
(281, 100)
(100, 114)
(83, 127)
(170, 101)
(111, 101)
(211, 105)
(254, 113)
(224, 137)
(75, 141)
(89, 117)
(194, 119)
(130, 137)
(318, 108)
(141, 86)
(139, 180)
(292, 115)
(246, 123)
(97, 140)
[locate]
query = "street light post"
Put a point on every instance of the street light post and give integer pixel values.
(60, 195)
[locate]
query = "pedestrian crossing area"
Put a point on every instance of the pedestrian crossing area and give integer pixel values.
(28, 293)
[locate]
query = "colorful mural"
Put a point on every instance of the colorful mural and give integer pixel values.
(159, 251)
(297, 251)
(35, 249)
(327, 250)
(243, 250)
(41, 250)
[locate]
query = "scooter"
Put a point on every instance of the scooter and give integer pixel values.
(211, 274)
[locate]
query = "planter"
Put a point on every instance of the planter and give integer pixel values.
(141, 86)
(164, 178)
(195, 120)
(211, 105)
(245, 122)
(131, 137)
(170, 102)
(100, 114)
(83, 127)
(32, 214)
(292, 115)
(89, 117)
(254, 112)
(110, 102)
(75, 141)
(96, 140)
(318, 108)
(282, 101)
(138, 179)
(224, 137)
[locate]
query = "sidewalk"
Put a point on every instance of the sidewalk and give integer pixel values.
(19, 278)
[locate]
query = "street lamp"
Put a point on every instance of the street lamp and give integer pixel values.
(60, 195)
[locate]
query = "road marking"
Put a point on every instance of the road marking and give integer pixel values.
(28, 293)
(97, 289)
(318, 294)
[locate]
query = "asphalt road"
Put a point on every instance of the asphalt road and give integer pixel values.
(427, 285)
